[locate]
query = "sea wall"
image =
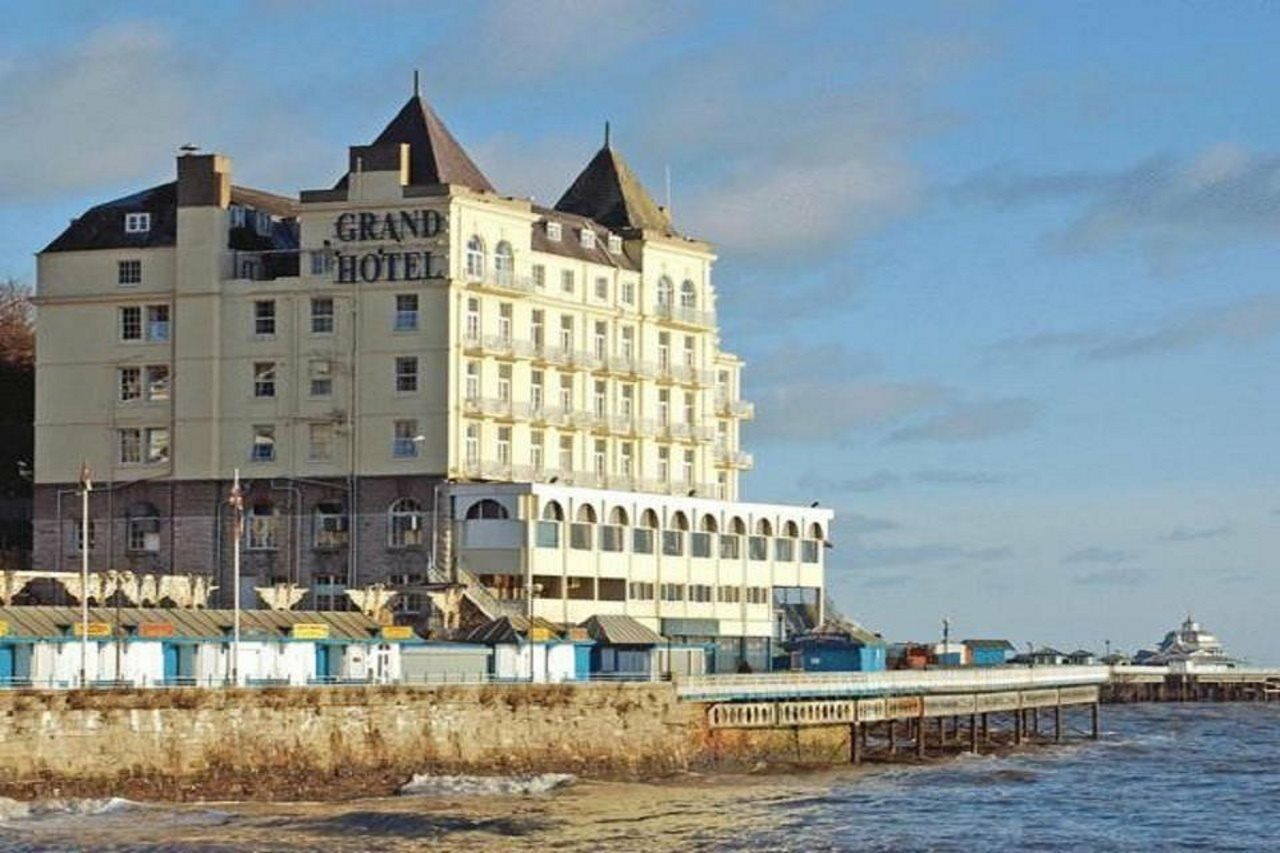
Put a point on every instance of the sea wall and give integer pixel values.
(303, 743)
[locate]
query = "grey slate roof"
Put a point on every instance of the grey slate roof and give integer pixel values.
(609, 192)
(508, 629)
(50, 622)
(618, 630)
(570, 244)
(435, 157)
(999, 645)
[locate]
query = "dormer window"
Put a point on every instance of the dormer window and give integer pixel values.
(137, 223)
(553, 231)
(615, 244)
(237, 216)
(588, 238)
(263, 224)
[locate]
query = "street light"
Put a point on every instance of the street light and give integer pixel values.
(236, 500)
(86, 486)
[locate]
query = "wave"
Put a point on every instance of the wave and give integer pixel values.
(14, 810)
(425, 784)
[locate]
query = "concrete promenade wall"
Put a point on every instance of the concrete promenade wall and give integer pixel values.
(305, 743)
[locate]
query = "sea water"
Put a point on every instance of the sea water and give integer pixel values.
(1201, 776)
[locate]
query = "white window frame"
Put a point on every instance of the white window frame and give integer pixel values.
(137, 223)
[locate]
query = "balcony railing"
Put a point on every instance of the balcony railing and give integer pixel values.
(686, 316)
(735, 408)
(501, 280)
(734, 458)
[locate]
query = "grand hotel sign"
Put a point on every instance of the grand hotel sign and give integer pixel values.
(357, 262)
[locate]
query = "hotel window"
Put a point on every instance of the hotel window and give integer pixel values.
(473, 444)
(728, 594)
(600, 457)
(784, 550)
(640, 591)
(321, 375)
(758, 548)
(626, 459)
(627, 401)
(730, 546)
(77, 535)
(129, 272)
(262, 223)
(328, 592)
(688, 466)
(588, 238)
(131, 323)
(536, 390)
(642, 534)
(537, 324)
(129, 442)
(473, 319)
(406, 312)
(237, 213)
(404, 524)
(566, 453)
(699, 592)
(130, 384)
(504, 383)
(601, 340)
(329, 525)
(504, 322)
(261, 527)
(700, 545)
(566, 333)
(473, 380)
(688, 295)
(689, 407)
(143, 532)
(137, 223)
(629, 292)
(690, 351)
(809, 550)
(264, 317)
(475, 258)
(615, 244)
(566, 392)
(672, 591)
(628, 348)
(157, 445)
(264, 443)
(757, 595)
(600, 398)
(157, 382)
(664, 464)
(581, 531)
(403, 439)
(319, 442)
(321, 262)
(664, 407)
(664, 292)
(539, 275)
(566, 281)
(722, 486)
(664, 351)
(406, 374)
(602, 289)
(548, 535)
(264, 379)
(536, 442)
(504, 263)
(504, 445)
(158, 323)
(553, 231)
(322, 315)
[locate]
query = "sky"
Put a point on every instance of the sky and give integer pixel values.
(1004, 274)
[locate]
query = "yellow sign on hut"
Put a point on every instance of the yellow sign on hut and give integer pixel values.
(97, 630)
(4, 628)
(309, 631)
(395, 633)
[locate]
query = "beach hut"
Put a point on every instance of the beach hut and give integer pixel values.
(837, 647)
(988, 652)
(623, 648)
(533, 650)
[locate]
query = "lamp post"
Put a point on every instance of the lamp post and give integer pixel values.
(236, 501)
(86, 486)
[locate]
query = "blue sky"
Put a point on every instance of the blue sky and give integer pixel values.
(1004, 274)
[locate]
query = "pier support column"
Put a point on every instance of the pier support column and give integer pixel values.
(1035, 721)
(920, 738)
(1057, 724)
(855, 743)
(862, 737)
(1094, 730)
(973, 733)
(986, 728)
(893, 736)
(1017, 726)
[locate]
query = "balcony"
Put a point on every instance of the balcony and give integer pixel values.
(264, 266)
(496, 408)
(502, 281)
(735, 408)
(507, 347)
(726, 458)
(683, 316)
(552, 354)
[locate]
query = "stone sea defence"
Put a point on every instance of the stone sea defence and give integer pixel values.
(315, 743)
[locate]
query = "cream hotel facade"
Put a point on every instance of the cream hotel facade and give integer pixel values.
(421, 380)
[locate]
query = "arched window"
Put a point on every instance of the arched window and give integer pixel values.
(731, 540)
(552, 512)
(618, 516)
(700, 542)
(673, 536)
(612, 534)
(404, 524)
(475, 258)
(487, 509)
(815, 531)
(790, 530)
(810, 548)
(737, 526)
(580, 532)
(784, 547)
(504, 263)
(664, 292)
(679, 521)
(758, 545)
(764, 528)
(688, 295)
(643, 533)
(261, 526)
(586, 514)
(708, 524)
(329, 525)
(548, 535)
(144, 528)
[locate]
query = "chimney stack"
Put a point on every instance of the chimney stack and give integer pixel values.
(204, 180)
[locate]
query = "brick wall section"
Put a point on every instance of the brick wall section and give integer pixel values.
(195, 529)
(317, 742)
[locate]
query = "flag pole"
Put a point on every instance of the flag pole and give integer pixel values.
(237, 505)
(86, 486)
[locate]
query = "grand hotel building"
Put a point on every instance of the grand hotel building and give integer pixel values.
(419, 378)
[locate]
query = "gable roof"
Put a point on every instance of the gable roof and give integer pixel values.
(621, 630)
(57, 622)
(509, 629)
(609, 192)
(1001, 645)
(435, 156)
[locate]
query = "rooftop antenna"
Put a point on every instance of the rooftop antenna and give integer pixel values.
(606, 134)
(189, 148)
(417, 89)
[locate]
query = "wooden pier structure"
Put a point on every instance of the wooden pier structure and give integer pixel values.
(907, 711)
(1165, 684)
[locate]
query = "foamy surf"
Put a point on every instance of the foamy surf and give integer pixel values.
(425, 784)
(16, 810)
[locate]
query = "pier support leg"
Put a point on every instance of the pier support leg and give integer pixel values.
(1035, 721)
(1093, 733)
(973, 733)
(920, 738)
(855, 743)
(1057, 724)
(986, 728)
(1017, 727)
(942, 735)
(862, 737)
(893, 736)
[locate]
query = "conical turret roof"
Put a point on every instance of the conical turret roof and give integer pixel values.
(608, 192)
(435, 157)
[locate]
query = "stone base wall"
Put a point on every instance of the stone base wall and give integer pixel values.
(339, 742)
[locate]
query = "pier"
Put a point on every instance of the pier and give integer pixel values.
(1166, 684)
(912, 711)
